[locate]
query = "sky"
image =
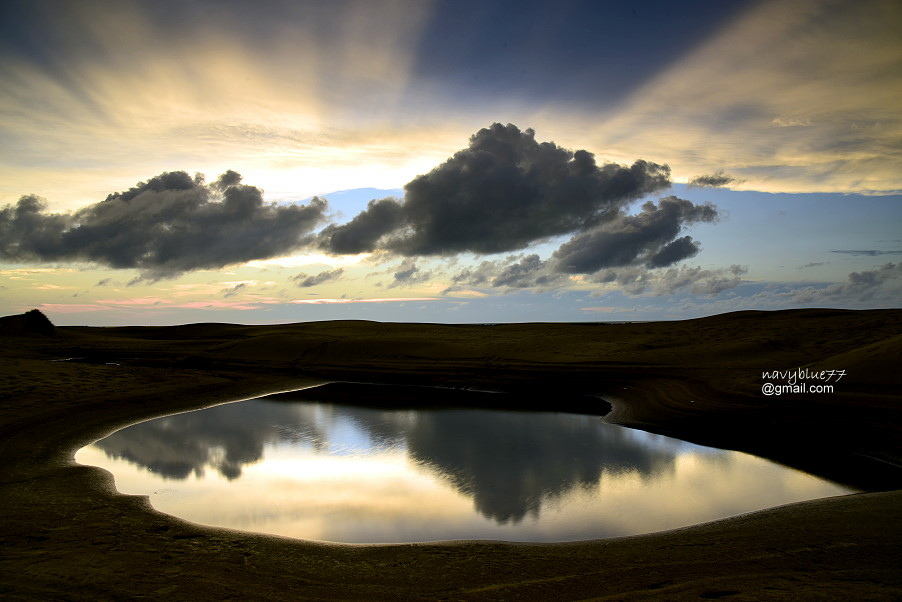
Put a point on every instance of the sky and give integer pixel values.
(447, 161)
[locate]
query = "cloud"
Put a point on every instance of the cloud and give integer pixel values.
(232, 291)
(674, 251)
(502, 193)
(815, 110)
(346, 301)
(362, 233)
(649, 238)
(879, 285)
(600, 309)
(305, 281)
(529, 272)
(171, 224)
(639, 244)
(717, 180)
(478, 276)
(264, 87)
(874, 288)
(512, 272)
(521, 274)
(698, 281)
(409, 273)
(871, 279)
(701, 282)
(866, 252)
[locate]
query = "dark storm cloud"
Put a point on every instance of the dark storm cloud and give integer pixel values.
(677, 250)
(636, 245)
(362, 233)
(305, 281)
(170, 224)
(506, 191)
(26, 232)
(227, 180)
(648, 238)
(502, 193)
(716, 180)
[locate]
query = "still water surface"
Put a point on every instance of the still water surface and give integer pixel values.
(352, 474)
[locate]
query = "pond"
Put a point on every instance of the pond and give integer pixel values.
(356, 474)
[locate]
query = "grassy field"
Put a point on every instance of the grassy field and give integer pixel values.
(68, 535)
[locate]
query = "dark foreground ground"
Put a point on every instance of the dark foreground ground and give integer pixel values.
(66, 533)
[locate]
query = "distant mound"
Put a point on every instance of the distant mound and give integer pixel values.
(276, 347)
(326, 349)
(28, 324)
(875, 364)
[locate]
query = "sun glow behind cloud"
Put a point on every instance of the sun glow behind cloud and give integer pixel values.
(296, 261)
(305, 100)
(308, 98)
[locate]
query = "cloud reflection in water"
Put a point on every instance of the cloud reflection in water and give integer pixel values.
(356, 474)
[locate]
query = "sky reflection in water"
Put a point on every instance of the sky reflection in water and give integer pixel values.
(362, 475)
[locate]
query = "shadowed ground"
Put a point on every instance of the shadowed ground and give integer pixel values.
(66, 533)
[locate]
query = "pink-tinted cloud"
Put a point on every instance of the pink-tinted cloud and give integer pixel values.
(135, 301)
(71, 308)
(119, 304)
(216, 305)
(385, 300)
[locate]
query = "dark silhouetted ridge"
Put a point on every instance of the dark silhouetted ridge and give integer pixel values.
(30, 323)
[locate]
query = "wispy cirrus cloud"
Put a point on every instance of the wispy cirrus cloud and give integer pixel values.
(144, 304)
(790, 97)
(867, 252)
(265, 87)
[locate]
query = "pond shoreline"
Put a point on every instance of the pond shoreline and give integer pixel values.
(67, 533)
